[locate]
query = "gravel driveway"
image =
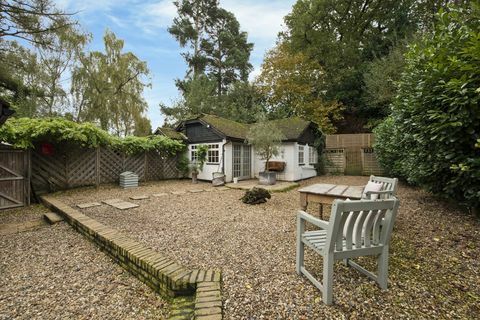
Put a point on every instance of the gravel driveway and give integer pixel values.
(55, 273)
(433, 263)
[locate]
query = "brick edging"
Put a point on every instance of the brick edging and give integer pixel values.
(162, 274)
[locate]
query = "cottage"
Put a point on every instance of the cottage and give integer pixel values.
(229, 153)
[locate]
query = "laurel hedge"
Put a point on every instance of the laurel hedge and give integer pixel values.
(432, 137)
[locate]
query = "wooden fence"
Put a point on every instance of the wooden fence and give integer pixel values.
(14, 177)
(351, 154)
(70, 168)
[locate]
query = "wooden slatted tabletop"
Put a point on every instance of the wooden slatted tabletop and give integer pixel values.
(323, 193)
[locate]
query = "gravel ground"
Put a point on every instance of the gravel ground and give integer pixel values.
(434, 266)
(54, 273)
(20, 215)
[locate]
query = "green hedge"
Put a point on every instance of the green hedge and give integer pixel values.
(432, 136)
(25, 132)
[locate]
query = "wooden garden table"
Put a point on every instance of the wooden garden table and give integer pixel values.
(323, 193)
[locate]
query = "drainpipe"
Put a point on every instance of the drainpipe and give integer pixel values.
(223, 156)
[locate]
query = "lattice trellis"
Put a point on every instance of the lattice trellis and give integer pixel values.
(84, 167)
(111, 165)
(49, 173)
(155, 163)
(81, 167)
(136, 163)
(170, 170)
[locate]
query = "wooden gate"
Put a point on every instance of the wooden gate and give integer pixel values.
(353, 161)
(14, 177)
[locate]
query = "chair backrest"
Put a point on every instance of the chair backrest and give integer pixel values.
(388, 184)
(359, 224)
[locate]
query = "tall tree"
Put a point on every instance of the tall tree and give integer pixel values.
(39, 22)
(62, 53)
(31, 20)
(293, 86)
(20, 73)
(216, 46)
(227, 51)
(108, 87)
(189, 29)
(345, 36)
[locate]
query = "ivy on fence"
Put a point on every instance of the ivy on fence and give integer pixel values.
(24, 132)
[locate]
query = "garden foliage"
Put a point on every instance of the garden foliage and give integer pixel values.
(266, 138)
(25, 132)
(256, 196)
(432, 136)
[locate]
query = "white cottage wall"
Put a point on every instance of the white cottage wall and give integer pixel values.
(306, 170)
(209, 168)
(228, 157)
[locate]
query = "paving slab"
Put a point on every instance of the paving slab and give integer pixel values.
(141, 197)
(178, 192)
(112, 201)
(88, 205)
(52, 217)
(221, 188)
(124, 205)
(160, 194)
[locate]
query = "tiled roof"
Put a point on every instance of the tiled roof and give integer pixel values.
(170, 133)
(292, 128)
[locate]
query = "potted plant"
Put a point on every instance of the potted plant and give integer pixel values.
(197, 165)
(266, 139)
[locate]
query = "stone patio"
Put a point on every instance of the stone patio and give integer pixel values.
(249, 184)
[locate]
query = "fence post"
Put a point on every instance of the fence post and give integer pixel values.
(29, 174)
(97, 166)
(145, 166)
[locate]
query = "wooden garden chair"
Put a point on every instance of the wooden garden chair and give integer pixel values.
(355, 229)
(388, 188)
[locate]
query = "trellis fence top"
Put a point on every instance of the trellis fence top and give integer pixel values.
(357, 140)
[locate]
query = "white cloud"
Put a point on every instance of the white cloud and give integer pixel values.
(262, 20)
(153, 16)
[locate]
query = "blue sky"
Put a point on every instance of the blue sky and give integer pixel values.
(143, 26)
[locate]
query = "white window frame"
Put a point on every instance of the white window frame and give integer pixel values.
(312, 155)
(212, 149)
(193, 153)
(301, 155)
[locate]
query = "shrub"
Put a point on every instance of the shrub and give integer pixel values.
(266, 138)
(431, 138)
(256, 196)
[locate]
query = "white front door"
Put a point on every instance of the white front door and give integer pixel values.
(242, 160)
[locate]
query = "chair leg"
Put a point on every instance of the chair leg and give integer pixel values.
(300, 246)
(327, 293)
(382, 277)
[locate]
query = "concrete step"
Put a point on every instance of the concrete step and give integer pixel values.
(52, 217)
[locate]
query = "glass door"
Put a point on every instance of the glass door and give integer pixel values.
(241, 161)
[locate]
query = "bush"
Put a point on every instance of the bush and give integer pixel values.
(431, 137)
(256, 196)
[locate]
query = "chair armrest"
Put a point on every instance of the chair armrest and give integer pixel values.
(302, 215)
(369, 193)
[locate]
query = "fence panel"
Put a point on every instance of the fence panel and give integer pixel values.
(84, 167)
(351, 154)
(335, 160)
(81, 167)
(14, 178)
